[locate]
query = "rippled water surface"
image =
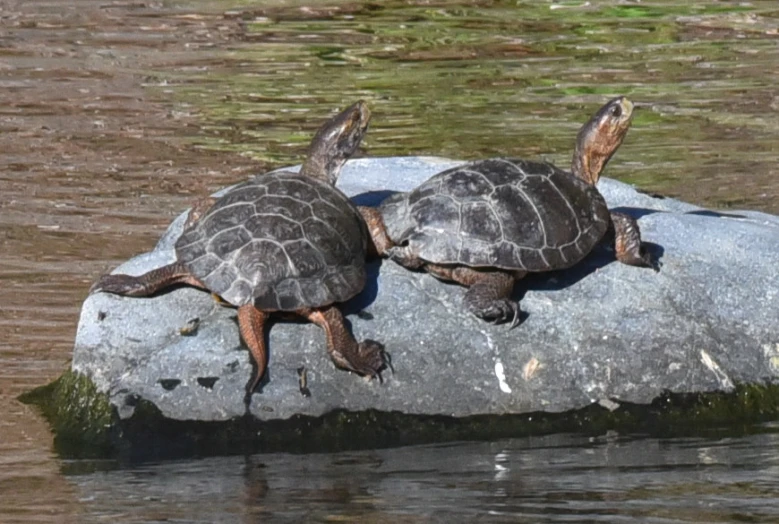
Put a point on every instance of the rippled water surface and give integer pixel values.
(115, 115)
(549, 479)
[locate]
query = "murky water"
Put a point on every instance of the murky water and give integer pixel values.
(115, 115)
(560, 479)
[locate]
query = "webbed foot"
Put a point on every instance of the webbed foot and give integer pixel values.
(251, 323)
(489, 291)
(402, 255)
(627, 242)
(494, 310)
(366, 358)
(489, 295)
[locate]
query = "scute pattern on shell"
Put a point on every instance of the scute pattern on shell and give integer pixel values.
(282, 241)
(501, 213)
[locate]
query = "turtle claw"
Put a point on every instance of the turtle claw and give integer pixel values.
(516, 320)
(252, 387)
(652, 262)
(497, 311)
(643, 259)
(370, 359)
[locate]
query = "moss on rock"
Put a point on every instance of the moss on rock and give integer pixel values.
(85, 424)
(81, 417)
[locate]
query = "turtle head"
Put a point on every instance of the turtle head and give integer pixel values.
(599, 138)
(336, 141)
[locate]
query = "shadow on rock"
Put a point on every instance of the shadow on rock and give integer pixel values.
(635, 212)
(600, 257)
(557, 280)
(367, 296)
(372, 198)
(714, 214)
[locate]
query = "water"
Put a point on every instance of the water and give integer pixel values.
(559, 479)
(115, 116)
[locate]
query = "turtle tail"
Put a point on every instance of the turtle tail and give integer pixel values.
(146, 284)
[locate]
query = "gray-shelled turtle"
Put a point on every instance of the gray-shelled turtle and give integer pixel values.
(487, 223)
(282, 241)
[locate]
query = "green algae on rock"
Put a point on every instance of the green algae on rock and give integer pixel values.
(86, 426)
(81, 417)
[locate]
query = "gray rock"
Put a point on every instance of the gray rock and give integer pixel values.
(602, 332)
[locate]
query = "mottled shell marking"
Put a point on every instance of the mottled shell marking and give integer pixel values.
(282, 241)
(509, 214)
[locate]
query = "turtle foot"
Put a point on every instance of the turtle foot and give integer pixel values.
(402, 255)
(497, 311)
(369, 359)
(649, 261)
(640, 257)
(628, 246)
(366, 358)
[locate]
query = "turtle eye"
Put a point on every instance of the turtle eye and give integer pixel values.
(616, 111)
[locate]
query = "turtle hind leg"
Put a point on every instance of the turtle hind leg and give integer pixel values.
(489, 295)
(627, 242)
(251, 323)
(489, 291)
(366, 358)
(146, 284)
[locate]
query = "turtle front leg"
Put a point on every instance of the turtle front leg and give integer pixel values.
(365, 358)
(379, 242)
(627, 242)
(148, 283)
(251, 323)
(489, 291)
(405, 256)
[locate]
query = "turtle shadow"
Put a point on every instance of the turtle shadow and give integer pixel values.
(636, 212)
(373, 198)
(599, 258)
(359, 303)
(715, 214)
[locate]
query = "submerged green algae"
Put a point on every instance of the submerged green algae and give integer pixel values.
(86, 425)
(81, 417)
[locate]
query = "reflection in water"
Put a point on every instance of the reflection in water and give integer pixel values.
(549, 479)
(115, 116)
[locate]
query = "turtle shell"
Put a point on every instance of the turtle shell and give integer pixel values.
(282, 241)
(501, 213)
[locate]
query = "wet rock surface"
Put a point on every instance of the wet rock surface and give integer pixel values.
(602, 332)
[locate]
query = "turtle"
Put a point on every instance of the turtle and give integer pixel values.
(487, 223)
(279, 242)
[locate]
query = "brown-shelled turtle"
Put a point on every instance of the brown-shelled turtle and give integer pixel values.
(280, 242)
(487, 223)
